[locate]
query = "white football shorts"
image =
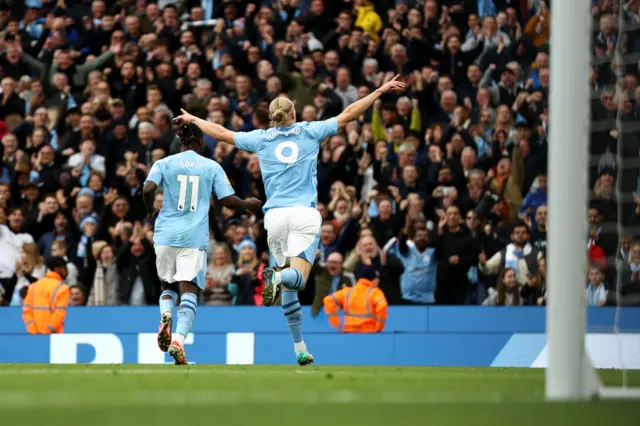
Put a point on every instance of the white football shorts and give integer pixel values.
(293, 232)
(176, 264)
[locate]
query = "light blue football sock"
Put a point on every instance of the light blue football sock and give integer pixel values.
(293, 314)
(168, 300)
(186, 313)
(291, 278)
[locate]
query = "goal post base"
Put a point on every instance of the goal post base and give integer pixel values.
(591, 387)
(618, 393)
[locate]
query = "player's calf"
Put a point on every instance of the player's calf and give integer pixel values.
(186, 316)
(289, 278)
(168, 300)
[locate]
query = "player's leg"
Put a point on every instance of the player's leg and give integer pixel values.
(190, 272)
(293, 311)
(275, 222)
(168, 300)
(165, 265)
(302, 243)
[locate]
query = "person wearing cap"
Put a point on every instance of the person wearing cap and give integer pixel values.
(45, 305)
(364, 305)
(88, 228)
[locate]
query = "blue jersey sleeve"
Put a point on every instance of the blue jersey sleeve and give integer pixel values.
(248, 141)
(221, 185)
(155, 174)
(320, 130)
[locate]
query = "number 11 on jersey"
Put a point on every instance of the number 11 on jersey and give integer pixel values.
(184, 180)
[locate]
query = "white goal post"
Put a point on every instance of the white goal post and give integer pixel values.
(570, 375)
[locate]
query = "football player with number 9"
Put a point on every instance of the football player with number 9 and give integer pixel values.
(288, 153)
(181, 230)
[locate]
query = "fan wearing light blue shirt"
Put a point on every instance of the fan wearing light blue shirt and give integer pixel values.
(181, 231)
(288, 154)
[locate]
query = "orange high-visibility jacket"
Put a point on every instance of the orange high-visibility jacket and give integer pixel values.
(45, 306)
(364, 306)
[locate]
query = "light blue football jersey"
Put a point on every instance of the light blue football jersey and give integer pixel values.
(289, 160)
(187, 179)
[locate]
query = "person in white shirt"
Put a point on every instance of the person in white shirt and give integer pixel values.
(347, 91)
(15, 223)
(87, 161)
(10, 249)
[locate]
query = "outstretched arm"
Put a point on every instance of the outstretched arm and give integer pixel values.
(356, 109)
(214, 130)
(235, 203)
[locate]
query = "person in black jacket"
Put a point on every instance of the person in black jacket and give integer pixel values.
(10, 102)
(456, 252)
(139, 282)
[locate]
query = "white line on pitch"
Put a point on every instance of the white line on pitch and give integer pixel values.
(170, 369)
(24, 400)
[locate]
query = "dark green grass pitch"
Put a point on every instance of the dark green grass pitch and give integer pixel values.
(268, 395)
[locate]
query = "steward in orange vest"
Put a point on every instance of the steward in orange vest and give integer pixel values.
(364, 305)
(45, 306)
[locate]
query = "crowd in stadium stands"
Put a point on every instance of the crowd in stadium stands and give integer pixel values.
(443, 187)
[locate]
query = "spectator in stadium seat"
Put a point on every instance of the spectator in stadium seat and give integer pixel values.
(386, 224)
(456, 253)
(245, 276)
(87, 161)
(534, 199)
(596, 290)
(59, 249)
(418, 282)
(539, 230)
(509, 181)
(518, 255)
(389, 266)
(63, 62)
(300, 86)
(105, 288)
(219, 288)
(11, 103)
(16, 223)
(329, 278)
(116, 212)
(367, 18)
(508, 291)
(30, 205)
(632, 267)
(77, 295)
(29, 268)
(46, 169)
(61, 231)
(600, 235)
(347, 91)
(139, 282)
(10, 145)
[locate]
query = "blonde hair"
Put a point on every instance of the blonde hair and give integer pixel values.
(32, 254)
(279, 112)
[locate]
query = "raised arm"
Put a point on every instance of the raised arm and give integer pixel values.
(356, 109)
(214, 130)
